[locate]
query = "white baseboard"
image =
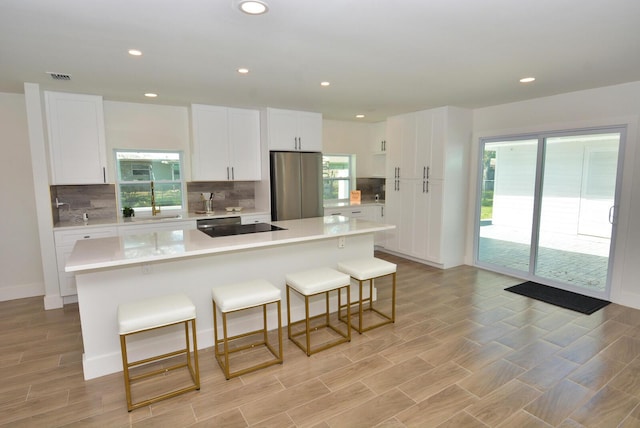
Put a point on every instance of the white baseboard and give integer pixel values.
(21, 291)
(53, 302)
(631, 300)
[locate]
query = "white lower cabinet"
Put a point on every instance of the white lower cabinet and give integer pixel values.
(355, 212)
(65, 240)
(374, 213)
(255, 218)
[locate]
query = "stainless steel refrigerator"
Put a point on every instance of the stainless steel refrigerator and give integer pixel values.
(296, 185)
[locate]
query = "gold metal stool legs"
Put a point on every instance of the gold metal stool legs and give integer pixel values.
(193, 367)
(306, 346)
(223, 357)
(387, 318)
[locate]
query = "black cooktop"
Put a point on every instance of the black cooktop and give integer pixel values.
(239, 229)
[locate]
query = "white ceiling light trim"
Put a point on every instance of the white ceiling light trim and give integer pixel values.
(253, 7)
(135, 52)
(243, 70)
(150, 95)
(527, 79)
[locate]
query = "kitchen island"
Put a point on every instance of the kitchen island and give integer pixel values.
(113, 270)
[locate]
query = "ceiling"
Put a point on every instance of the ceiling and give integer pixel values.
(382, 57)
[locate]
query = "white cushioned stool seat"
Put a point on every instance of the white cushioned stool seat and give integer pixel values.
(310, 283)
(150, 314)
(370, 269)
(316, 281)
(229, 298)
(154, 312)
(233, 297)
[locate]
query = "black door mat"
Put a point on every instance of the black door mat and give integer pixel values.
(555, 296)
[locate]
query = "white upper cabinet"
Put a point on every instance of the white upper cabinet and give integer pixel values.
(226, 143)
(294, 130)
(77, 146)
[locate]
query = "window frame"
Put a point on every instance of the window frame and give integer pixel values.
(350, 179)
(146, 210)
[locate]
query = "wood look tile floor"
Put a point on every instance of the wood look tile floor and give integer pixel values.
(462, 353)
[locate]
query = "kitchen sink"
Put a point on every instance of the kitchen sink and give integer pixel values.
(165, 217)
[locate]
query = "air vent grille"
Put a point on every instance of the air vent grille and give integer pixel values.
(59, 76)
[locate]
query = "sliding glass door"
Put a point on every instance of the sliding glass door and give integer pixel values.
(547, 208)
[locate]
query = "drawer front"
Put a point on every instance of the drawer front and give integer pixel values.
(70, 237)
(258, 218)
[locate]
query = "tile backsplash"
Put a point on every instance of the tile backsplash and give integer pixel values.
(370, 187)
(99, 200)
(225, 194)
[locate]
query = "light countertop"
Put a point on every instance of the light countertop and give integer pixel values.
(101, 253)
(349, 204)
(162, 218)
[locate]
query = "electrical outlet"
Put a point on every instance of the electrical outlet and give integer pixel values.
(341, 242)
(146, 269)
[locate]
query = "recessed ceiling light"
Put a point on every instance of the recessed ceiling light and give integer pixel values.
(325, 83)
(150, 95)
(527, 79)
(253, 7)
(135, 52)
(359, 116)
(243, 70)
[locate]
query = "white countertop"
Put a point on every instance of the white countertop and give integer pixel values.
(101, 253)
(165, 217)
(349, 204)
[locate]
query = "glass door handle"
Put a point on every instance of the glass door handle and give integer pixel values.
(611, 214)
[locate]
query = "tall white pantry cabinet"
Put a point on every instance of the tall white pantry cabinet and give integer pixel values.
(426, 185)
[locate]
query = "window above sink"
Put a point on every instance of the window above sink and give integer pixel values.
(139, 171)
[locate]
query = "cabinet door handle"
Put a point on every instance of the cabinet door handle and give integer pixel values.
(428, 173)
(104, 175)
(398, 172)
(233, 174)
(398, 185)
(227, 173)
(381, 211)
(427, 186)
(423, 186)
(299, 143)
(356, 212)
(424, 172)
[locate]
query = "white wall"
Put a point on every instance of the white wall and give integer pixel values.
(340, 137)
(146, 126)
(19, 246)
(614, 105)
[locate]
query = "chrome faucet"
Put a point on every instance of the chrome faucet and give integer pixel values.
(154, 210)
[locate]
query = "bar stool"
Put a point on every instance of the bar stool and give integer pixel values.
(311, 283)
(237, 297)
(150, 314)
(369, 269)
